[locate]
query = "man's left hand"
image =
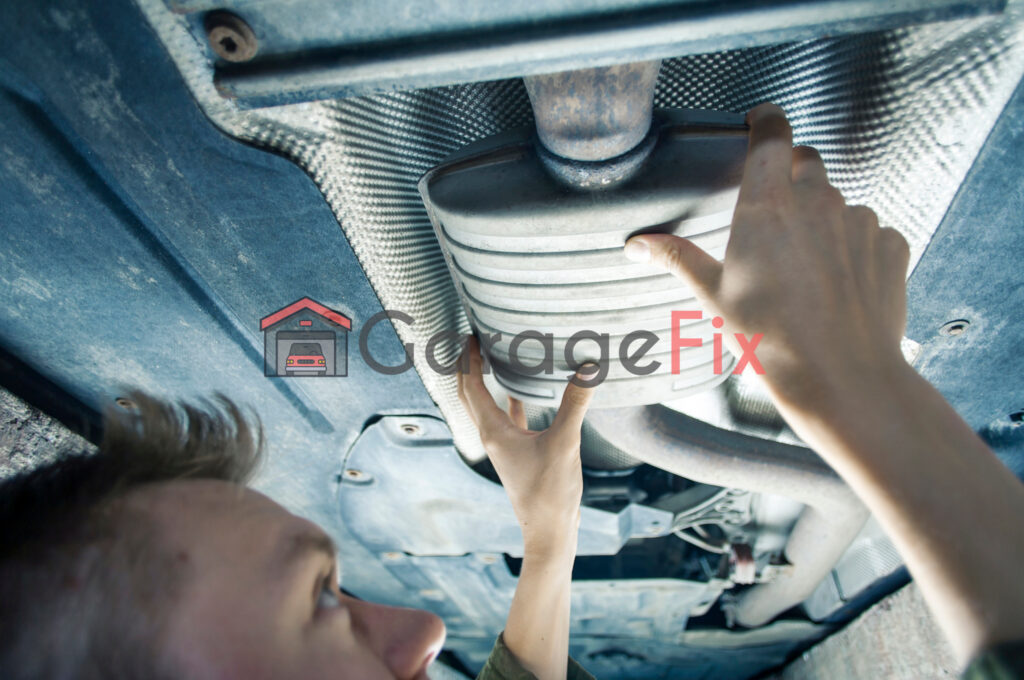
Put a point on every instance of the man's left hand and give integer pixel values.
(541, 471)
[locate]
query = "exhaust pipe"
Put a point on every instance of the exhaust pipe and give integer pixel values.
(703, 453)
(594, 126)
(594, 114)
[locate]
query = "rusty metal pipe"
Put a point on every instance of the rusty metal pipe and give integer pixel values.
(703, 453)
(594, 114)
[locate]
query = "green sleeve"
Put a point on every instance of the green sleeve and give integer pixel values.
(1002, 662)
(501, 665)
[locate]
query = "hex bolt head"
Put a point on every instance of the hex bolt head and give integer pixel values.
(230, 37)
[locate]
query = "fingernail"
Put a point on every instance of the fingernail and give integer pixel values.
(637, 250)
(589, 368)
(763, 110)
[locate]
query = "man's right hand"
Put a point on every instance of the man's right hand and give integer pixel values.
(818, 278)
(826, 287)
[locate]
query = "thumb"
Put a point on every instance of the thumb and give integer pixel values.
(680, 257)
(575, 400)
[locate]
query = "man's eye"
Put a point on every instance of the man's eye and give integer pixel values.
(327, 597)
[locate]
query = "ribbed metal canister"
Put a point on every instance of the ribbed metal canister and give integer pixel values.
(540, 266)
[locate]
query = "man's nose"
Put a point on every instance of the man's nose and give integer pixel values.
(407, 640)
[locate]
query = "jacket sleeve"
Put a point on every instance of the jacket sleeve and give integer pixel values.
(501, 665)
(1002, 662)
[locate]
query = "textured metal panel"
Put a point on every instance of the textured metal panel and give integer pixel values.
(979, 370)
(899, 116)
(322, 49)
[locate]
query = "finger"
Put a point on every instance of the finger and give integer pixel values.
(861, 215)
(895, 258)
(486, 413)
(679, 257)
(568, 420)
(459, 381)
(895, 253)
(861, 226)
(862, 230)
(808, 166)
(517, 413)
(769, 154)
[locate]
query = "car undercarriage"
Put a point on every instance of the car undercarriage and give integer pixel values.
(176, 171)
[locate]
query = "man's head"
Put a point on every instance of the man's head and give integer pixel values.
(151, 559)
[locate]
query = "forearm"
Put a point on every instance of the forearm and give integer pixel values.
(537, 630)
(952, 508)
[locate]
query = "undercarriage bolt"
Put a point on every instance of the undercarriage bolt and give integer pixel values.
(230, 37)
(358, 476)
(955, 327)
(125, 403)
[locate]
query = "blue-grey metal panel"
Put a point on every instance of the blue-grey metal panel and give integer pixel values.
(972, 271)
(141, 247)
(407, 489)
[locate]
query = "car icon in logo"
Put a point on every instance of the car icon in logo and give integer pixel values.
(306, 358)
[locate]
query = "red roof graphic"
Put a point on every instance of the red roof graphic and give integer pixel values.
(310, 304)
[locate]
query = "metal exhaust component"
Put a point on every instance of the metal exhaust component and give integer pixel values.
(532, 229)
(593, 124)
(594, 114)
(533, 235)
(540, 267)
(703, 453)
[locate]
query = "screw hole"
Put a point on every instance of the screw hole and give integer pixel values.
(228, 44)
(356, 475)
(955, 327)
(1017, 416)
(411, 429)
(125, 403)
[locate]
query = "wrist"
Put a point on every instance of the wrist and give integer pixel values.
(552, 543)
(832, 392)
(858, 404)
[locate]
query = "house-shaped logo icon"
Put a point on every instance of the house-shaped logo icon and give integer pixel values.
(305, 339)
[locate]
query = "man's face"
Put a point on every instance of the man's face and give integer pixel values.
(260, 599)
